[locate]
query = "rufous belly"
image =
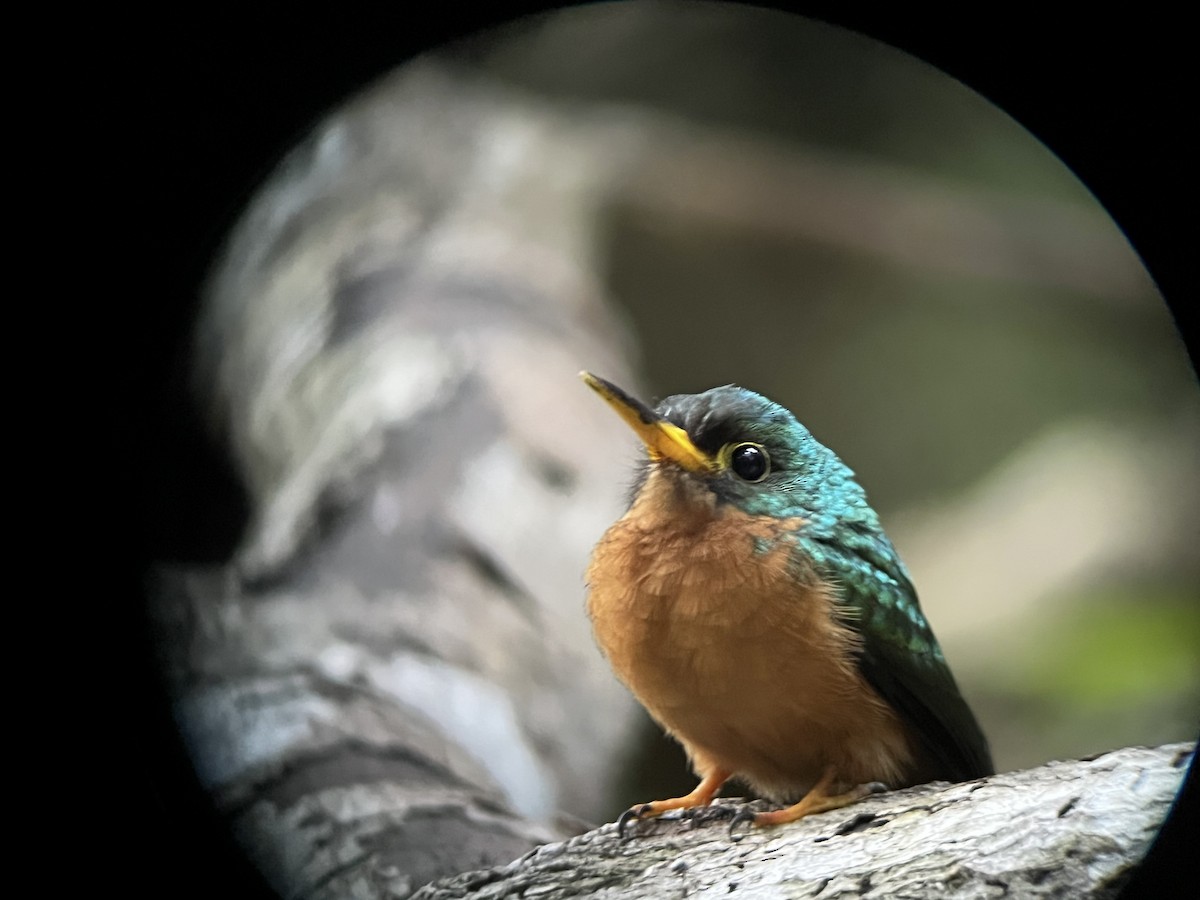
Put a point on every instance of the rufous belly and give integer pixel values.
(703, 614)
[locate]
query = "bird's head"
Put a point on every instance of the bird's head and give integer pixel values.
(747, 451)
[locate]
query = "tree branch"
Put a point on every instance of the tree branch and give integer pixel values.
(1074, 829)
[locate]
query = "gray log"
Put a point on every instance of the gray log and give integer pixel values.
(394, 678)
(1066, 829)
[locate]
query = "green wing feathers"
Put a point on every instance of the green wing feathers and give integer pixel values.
(901, 659)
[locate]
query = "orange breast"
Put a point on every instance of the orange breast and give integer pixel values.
(696, 609)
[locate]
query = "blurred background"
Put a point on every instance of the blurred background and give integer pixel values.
(760, 198)
(937, 297)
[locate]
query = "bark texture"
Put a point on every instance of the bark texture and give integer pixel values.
(1066, 829)
(393, 678)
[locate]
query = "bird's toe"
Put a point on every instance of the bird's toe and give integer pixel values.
(742, 815)
(702, 815)
(633, 814)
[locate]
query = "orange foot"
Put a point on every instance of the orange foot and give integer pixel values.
(818, 799)
(701, 796)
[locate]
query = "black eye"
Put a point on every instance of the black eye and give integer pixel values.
(750, 461)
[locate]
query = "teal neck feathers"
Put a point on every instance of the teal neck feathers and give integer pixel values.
(841, 536)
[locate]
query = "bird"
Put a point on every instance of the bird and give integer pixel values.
(752, 603)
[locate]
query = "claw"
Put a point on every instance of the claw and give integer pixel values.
(876, 787)
(745, 814)
(704, 814)
(633, 814)
(701, 795)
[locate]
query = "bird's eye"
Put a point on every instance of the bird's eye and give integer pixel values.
(750, 462)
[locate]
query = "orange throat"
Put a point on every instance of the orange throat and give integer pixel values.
(705, 616)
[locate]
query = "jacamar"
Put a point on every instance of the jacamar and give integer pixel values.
(751, 601)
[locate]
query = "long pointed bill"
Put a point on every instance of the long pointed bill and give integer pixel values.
(663, 439)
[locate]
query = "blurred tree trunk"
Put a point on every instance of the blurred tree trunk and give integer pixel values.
(394, 678)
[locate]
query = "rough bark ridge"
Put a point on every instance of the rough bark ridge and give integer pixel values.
(1066, 829)
(393, 679)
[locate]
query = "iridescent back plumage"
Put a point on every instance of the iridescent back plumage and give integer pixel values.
(843, 540)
